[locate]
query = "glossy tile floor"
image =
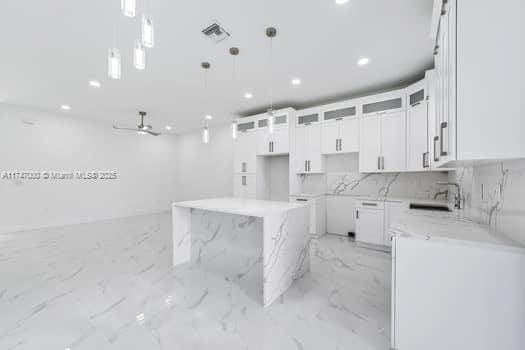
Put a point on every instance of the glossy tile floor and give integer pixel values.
(110, 285)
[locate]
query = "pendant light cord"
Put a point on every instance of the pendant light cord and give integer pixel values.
(115, 26)
(271, 74)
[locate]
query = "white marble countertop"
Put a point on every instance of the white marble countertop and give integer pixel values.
(405, 199)
(452, 227)
(240, 206)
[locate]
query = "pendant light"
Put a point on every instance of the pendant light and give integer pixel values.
(206, 130)
(271, 33)
(234, 51)
(114, 64)
(206, 134)
(129, 7)
(147, 31)
(114, 59)
(234, 129)
(139, 55)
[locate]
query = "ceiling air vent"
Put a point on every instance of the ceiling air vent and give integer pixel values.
(216, 32)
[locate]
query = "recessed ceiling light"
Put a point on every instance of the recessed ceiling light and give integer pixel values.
(94, 83)
(296, 81)
(341, 2)
(248, 95)
(363, 61)
(65, 107)
(208, 117)
(168, 127)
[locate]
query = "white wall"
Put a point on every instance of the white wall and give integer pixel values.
(205, 170)
(146, 169)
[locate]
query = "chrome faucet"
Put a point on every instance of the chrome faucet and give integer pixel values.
(457, 197)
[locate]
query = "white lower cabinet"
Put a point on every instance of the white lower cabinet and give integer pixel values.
(245, 186)
(340, 219)
(392, 211)
(373, 220)
(317, 212)
(370, 222)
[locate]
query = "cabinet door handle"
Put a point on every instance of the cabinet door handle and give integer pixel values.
(243, 181)
(378, 163)
(369, 204)
(309, 168)
(357, 214)
(443, 126)
(305, 165)
(243, 167)
(301, 200)
(337, 144)
(436, 155)
(340, 144)
(415, 104)
(425, 160)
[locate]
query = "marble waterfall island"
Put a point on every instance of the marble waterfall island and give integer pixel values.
(261, 245)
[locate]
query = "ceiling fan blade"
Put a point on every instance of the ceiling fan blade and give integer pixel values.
(119, 128)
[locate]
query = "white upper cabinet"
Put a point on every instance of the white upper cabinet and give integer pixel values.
(383, 133)
(418, 157)
(393, 142)
(388, 102)
(370, 145)
(245, 150)
(479, 69)
(308, 156)
(340, 130)
(276, 143)
(330, 138)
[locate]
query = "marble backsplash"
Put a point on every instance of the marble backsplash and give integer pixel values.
(494, 194)
(411, 185)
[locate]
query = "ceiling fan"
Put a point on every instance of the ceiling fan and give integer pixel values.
(141, 129)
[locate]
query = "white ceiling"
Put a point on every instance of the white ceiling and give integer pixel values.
(50, 49)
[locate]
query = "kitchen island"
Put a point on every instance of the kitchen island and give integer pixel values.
(468, 276)
(261, 245)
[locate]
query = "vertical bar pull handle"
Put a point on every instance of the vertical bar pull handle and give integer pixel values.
(443, 126)
(436, 154)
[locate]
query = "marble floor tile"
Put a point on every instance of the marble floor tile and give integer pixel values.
(111, 285)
